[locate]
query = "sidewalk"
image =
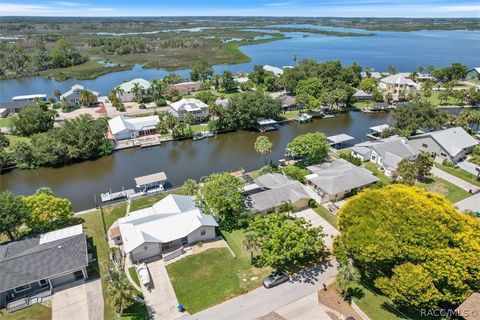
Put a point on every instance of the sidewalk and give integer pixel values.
(456, 181)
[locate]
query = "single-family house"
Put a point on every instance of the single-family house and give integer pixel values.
(169, 224)
(473, 74)
(387, 153)
(288, 102)
(470, 308)
(451, 144)
(30, 98)
(14, 107)
(32, 268)
(397, 84)
(122, 127)
(276, 71)
(338, 179)
(268, 192)
(195, 107)
(72, 96)
(127, 92)
(361, 95)
(184, 88)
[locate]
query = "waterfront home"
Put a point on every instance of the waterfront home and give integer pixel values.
(122, 127)
(451, 144)
(168, 225)
(128, 92)
(338, 179)
(361, 95)
(276, 71)
(13, 106)
(288, 102)
(195, 107)
(387, 153)
(473, 74)
(72, 96)
(268, 192)
(30, 98)
(184, 88)
(397, 84)
(32, 268)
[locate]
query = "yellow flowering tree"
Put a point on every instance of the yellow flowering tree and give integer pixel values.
(48, 212)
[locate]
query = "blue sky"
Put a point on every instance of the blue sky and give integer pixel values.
(341, 8)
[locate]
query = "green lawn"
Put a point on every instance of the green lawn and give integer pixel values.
(111, 214)
(435, 100)
(363, 105)
(327, 215)
(290, 115)
(208, 278)
(376, 172)
(5, 122)
(35, 312)
(134, 275)
(459, 173)
(445, 188)
(199, 128)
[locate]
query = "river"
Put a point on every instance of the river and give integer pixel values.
(179, 159)
(404, 50)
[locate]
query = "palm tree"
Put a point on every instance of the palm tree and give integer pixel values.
(287, 206)
(347, 276)
(158, 87)
(250, 243)
(189, 119)
(57, 93)
(171, 122)
(137, 91)
(263, 146)
(120, 291)
(86, 97)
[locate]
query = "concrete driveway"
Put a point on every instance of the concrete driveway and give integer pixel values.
(469, 204)
(306, 308)
(81, 302)
(160, 300)
(317, 221)
(469, 167)
(467, 186)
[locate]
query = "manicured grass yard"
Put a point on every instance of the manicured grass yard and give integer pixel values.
(111, 214)
(459, 173)
(199, 128)
(5, 122)
(327, 215)
(134, 275)
(35, 312)
(376, 172)
(141, 203)
(445, 188)
(208, 278)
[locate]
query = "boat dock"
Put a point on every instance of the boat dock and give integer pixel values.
(265, 125)
(339, 141)
(111, 196)
(376, 131)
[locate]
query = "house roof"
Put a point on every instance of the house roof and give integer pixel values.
(174, 217)
(44, 256)
(16, 104)
(470, 308)
(392, 149)
(272, 180)
(339, 176)
(151, 178)
(287, 100)
(452, 140)
(380, 128)
(29, 97)
(361, 93)
(189, 105)
(186, 85)
(361, 150)
(76, 87)
(128, 86)
(398, 79)
(275, 70)
(121, 123)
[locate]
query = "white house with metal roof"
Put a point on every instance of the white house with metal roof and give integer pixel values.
(122, 127)
(451, 144)
(195, 107)
(168, 224)
(338, 179)
(276, 71)
(127, 93)
(387, 153)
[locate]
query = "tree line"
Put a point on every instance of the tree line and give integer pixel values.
(119, 45)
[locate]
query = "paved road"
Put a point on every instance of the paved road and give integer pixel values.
(261, 301)
(317, 221)
(469, 204)
(456, 181)
(82, 302)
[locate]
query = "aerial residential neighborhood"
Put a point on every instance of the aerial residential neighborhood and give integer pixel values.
(237, 160)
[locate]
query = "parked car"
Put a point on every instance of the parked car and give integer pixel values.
(275, 279)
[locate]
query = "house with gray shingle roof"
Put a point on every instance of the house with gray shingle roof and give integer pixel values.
(271, 190)
(32, 268)
(451, 144)
(387, 153)
(338, 179)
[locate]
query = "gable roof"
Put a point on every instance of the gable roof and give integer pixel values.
(392, 149)
(398, 79)
(121, 123)
(128, 86)
(44, 256)
(174, 217)
(76, 87)
(150, 178)
(276, 71)
(189, 105)
(339, 176)
(362, 93)
(452, 140)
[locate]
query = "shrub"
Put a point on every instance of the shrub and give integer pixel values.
(295, 172)
(350, 158)
(70, 107)
(161, 102)
(312, 203)
(142, 106)
(269, 169)
(121, 108)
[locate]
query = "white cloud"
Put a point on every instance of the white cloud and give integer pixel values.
(68, 3)
(461, 8)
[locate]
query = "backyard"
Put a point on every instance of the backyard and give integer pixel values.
(35, 312)
(208, 278)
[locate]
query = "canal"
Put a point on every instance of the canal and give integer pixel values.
(180, 160)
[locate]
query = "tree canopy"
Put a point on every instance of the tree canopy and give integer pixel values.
(414, 245)
(263, 146)
(48, 212)
(286, 243)
(417, 115)
(201, 71)
(33, 119)
(311, 147)
(13, 213)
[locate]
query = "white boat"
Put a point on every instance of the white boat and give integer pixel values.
(142, 272)
(304, 117)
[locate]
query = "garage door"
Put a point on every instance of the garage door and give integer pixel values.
(66, 279)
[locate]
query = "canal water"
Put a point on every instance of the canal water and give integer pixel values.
(179, 159)
(404, 50)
